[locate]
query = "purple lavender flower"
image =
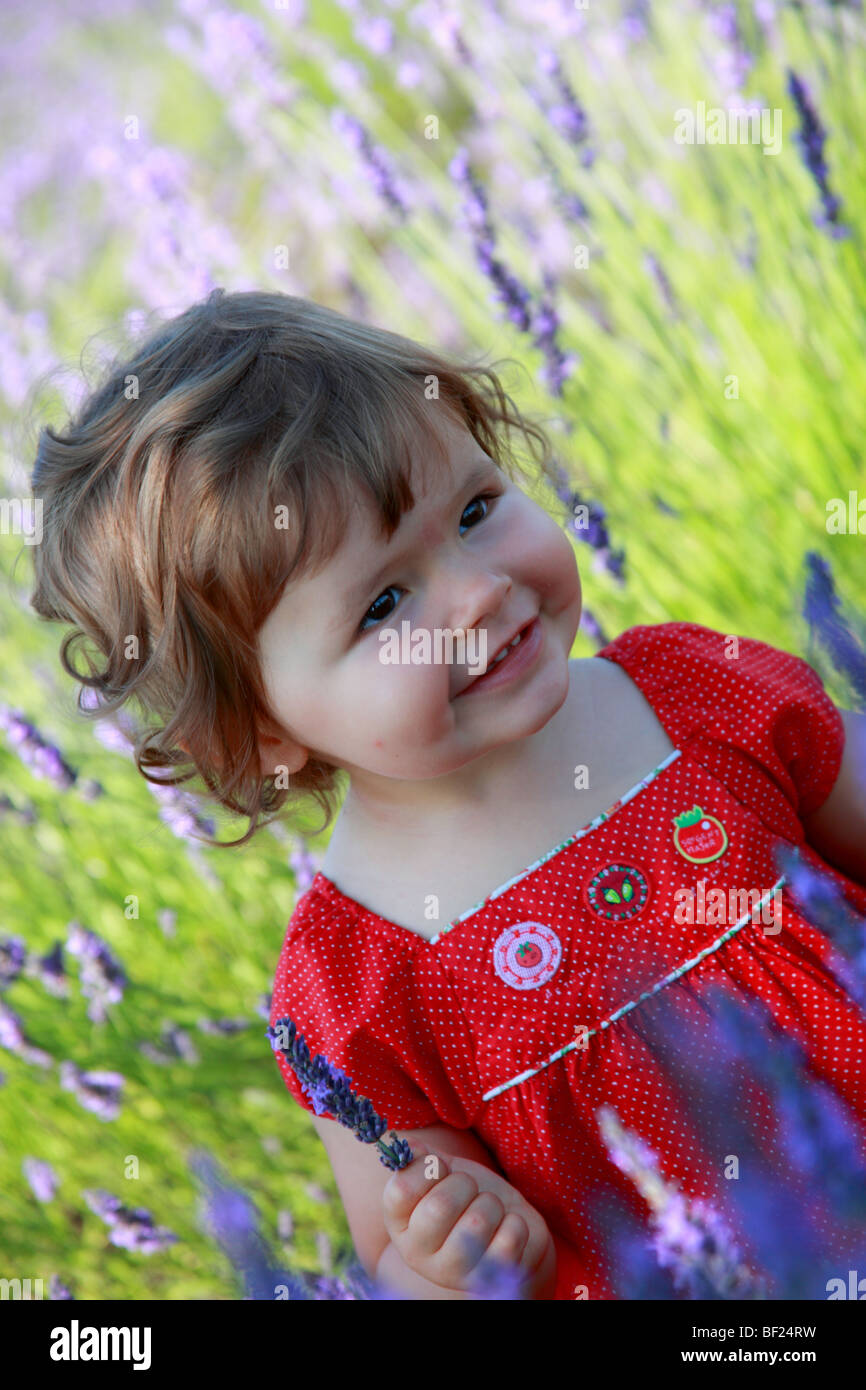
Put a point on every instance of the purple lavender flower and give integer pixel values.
(781, 1212)
(179, 810)
(11, 1031)
(592, 627)
(570, 205)
(512, 295)
(383, 179)
(91, 790)
(323, 1250)
(811, 138)
(177, 1045)
(692, 1241)
(820, 1139)
(351, 1283)
(13, 1039)
(230, 1216)
(130, 1228)
(821, 609)
(689, 1236)
(40, 756)
(636, 21)
(826, 907)
(234, 53)
(303, 866)
(568, 117)
(97, 1091)
(816, 1129)
(326, 1286)
(104, 1204)
(25, 813)
(222, 1027)
(614, 563)
(110, 733)
(660, 276)
(13, 958)
(57, 1290)
(590, 529)
(135, 1231)
(731, 62)
(232, 1219)
(167, 920)
(376, 33)
(594, 532)
(49, 970)
(42, 1178)
(330, 1090)
(102, 978)
(545, 324)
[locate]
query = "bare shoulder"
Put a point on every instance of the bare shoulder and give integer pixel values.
(623, 720)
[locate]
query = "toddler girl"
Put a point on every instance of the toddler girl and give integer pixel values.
(498, 942)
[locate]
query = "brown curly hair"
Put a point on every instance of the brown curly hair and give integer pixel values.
(161, 542)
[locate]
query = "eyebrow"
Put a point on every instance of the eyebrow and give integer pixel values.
(352, 599)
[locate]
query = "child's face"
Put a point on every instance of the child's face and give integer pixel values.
(454, 562)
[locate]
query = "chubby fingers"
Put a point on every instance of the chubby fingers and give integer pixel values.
(423, 1201)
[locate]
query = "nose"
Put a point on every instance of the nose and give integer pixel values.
(482, 594)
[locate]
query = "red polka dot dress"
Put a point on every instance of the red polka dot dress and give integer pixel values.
(555, 995)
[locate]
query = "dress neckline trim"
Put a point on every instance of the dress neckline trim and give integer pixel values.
(322, 881)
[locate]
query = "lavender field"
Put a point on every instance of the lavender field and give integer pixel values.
(681, 296)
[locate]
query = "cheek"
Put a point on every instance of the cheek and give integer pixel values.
(398, 695)
(548, 556)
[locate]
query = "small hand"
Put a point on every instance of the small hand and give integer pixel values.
(428, 1219)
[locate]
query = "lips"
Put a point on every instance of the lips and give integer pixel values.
(493, 665)
(500, 651)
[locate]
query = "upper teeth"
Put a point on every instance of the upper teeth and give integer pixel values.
(505, 650)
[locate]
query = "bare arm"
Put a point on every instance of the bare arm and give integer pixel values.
(838, 829)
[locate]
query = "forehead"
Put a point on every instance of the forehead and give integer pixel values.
(438, 468)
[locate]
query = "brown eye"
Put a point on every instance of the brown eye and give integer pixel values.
(377, 614)
(485, 499)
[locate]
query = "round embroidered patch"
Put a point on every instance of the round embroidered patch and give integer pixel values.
(699, 837)
(527, 955)
(618, 891)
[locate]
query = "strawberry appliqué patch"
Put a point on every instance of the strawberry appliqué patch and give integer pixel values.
(527, 955)
(698, 836)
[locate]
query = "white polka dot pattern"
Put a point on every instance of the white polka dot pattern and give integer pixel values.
(427, 1029)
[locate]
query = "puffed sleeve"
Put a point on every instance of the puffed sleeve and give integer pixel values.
(737, 695)
(360, 1000)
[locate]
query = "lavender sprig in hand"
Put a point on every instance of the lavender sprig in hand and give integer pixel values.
(331, 1092)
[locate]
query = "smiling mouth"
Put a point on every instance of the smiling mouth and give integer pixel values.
(501, 655)
(503, 651)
